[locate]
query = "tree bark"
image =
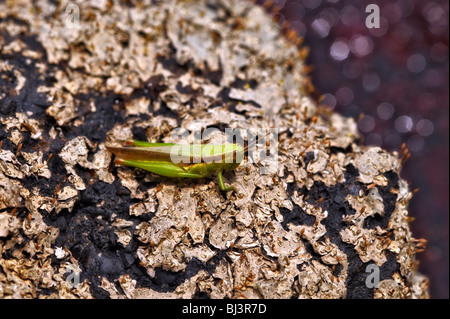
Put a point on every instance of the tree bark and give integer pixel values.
(327, 218)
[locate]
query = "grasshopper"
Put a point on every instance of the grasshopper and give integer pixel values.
(191, 161)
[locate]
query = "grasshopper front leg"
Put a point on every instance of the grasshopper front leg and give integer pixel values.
(222, 183)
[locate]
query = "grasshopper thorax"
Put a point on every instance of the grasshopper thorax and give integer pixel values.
(227, 156)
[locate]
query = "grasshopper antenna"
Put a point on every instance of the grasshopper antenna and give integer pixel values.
(256, 141)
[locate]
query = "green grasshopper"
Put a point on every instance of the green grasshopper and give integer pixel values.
(178, 160)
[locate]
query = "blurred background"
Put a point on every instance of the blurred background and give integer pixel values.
(394, 81)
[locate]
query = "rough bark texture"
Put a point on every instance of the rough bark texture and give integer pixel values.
(308, 228)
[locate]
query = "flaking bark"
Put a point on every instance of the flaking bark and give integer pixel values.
(309, 228)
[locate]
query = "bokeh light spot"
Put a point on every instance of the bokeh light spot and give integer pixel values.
(321, 26)
(415, 143)
(352, 69)
(311, 4)
(416, 63)
(424, 127)
(374, 139)
(371, 82)
(329, 100)
(403, 124)
(433, 12)
(299, 27)
(344, 95)
(339, 50)
(433, 78)
(385, 111)
(367, 124)
(361, 45)
(439, 52)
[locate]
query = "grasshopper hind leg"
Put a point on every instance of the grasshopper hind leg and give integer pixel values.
(160, 168)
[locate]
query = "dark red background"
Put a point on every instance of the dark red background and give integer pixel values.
(397, 76)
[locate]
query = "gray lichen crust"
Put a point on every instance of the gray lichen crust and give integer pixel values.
(312, 227)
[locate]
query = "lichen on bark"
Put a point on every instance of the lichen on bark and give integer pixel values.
(308, 228)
